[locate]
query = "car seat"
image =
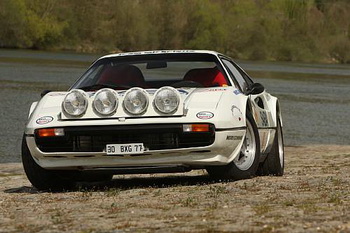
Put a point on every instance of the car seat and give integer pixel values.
(122, 75)
(208, 77)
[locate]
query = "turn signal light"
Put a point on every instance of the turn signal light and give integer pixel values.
(196, 128)
(53, 132)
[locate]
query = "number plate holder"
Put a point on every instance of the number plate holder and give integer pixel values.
(124, 149)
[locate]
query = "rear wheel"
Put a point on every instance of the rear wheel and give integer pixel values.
(43, 179)
(245, 165)
(274, 162)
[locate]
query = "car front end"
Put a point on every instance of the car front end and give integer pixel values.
(200, 132)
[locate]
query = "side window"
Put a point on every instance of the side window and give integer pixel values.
(236, 75)
(245, 76)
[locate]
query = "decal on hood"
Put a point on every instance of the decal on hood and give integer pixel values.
(212, 89)
(205, 115)
(237, 92)
(56, 94)
(44, 120)
(183, 92)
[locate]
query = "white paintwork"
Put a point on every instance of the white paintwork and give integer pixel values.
(226, 103)
(222, 152)
(160, 52)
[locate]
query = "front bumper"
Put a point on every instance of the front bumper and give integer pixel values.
(225, 147)
(153, 136)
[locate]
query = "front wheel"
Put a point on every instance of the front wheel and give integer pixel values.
(43, 179)
(245, 165)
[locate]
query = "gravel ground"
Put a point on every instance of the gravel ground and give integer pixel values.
(312, 196)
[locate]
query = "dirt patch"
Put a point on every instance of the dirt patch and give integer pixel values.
(313, 196)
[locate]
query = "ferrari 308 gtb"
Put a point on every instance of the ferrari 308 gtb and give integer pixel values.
(154, 112)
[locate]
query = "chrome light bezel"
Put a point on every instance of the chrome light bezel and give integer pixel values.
(128, 99)
(82, 105)
(176, 96)
(113, 94)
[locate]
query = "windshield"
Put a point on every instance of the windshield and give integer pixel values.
(120, 74)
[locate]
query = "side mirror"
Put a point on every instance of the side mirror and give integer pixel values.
(255, 89)
(44, 93)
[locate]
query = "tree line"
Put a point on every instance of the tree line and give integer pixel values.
(284, 30)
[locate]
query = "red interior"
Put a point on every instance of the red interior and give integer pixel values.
(208, 77)
(127, 75)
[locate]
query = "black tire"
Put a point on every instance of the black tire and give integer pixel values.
(274, 162)
(235, 170)
(43, 179)
(95, 177)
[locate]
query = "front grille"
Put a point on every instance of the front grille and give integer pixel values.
(95, 138)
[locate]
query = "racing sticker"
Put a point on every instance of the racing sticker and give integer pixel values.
(231, 138)
(183, 92)
(205, 115)
(212, 90)
(44, 120)
(57, 94)
(263, 117)
(236, 112)
(217, 89)
(237, 92)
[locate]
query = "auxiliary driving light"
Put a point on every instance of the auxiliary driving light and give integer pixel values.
(167, 100)
(75, 102)
(106, 101)
(136, 101)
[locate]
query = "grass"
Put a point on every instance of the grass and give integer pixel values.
(308, 208)
(292, 203)
(190, 202)
(58, 217)
(29, 228)
(289, 203)
(112, 192)
(335, 198)
(215, 191)
(262, 209)
(9, 174)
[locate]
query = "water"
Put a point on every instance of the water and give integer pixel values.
(314, 98)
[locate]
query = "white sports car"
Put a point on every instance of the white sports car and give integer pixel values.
(153, 112)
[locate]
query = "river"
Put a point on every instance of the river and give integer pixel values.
(315, 98)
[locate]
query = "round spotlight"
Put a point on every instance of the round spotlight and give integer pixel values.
(167, 100)
(136, 101)
(106, 101)
(75, 102)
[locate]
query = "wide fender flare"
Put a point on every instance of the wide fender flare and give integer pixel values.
(275, 109)
(231, 110)
(32, 108)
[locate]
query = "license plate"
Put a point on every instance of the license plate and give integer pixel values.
(124, 149)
